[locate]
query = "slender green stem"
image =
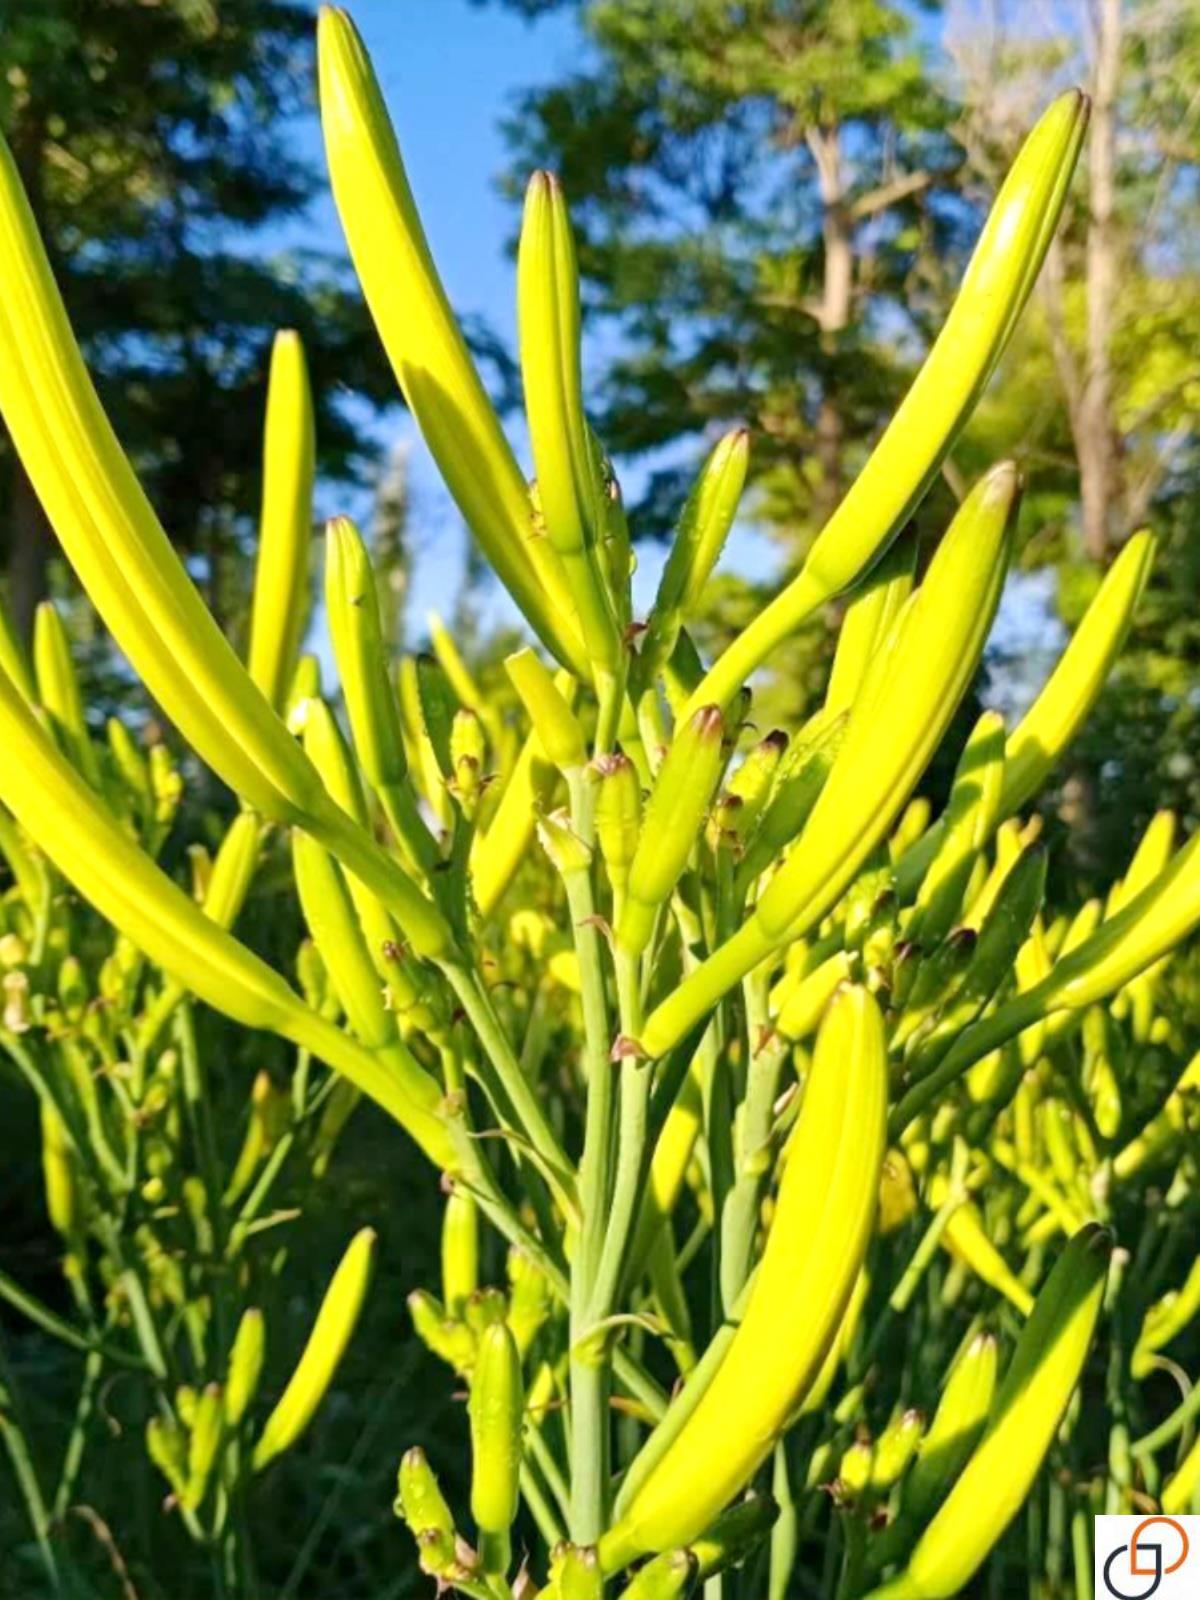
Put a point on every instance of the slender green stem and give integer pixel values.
(901, 1296)
(784, 1541)
(17, 1444)
(739, 1219)
(589, 1365)
(50, 1322)
(481, 1182)
(548, 1467)
(1169, 1429)
(198, 1106)
(258, 1195)
(631, 1146)
(854, 1546)
(77, 1441)
(541, 1509)
(476, 1002)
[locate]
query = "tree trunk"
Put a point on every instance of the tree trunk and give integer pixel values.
(834, 310)
(1096, 444)
(28, 553)
(28, 530)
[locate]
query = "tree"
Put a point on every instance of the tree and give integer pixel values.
(1100, 389)
(1121, 294)
(759, 187)
(153, 140)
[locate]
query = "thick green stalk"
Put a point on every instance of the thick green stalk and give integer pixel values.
(632, 1131)
(739, 1216)
(589, 1365)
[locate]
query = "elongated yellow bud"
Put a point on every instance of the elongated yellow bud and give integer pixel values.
(966, 1237)
(1164, 1319)
(497, 1413)
(338, 933)
(1182, 1492)
(207, 1426)
(423, 341)
(818, 1237)
(280, 607)
(872, 610)
(460, 1251)
(1149, 859)
(897, 722)
(618, 817)
(957, 1425)
(947, 1445)
(970, 816)
(331, 1333)
(1028, 1408)
(229, 881)
(703, 527)
(569, 490)
(233, 869)
(58, 1175)
(682, 792)
(498, 854)
(442, 643)
(352, 605)
(1055, 717)
(1157, 919)
(805, 1006)
(167, 1448)
(79, 835)
(997, 283)
(892, 735)
(127, 565)
(894, 1450)
(554, 722)
(245, 1365)
(58, 690)
(668, 1577)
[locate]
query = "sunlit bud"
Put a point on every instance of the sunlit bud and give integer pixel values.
(245, 1365)
(553, 721)
(279, 611)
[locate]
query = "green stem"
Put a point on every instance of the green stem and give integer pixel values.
(80, 1425)
(17, 1445)
(632, 1133)
(1171, 1428)
(50, 1322)
(901, 1296)
(739, 1218)
(543, 1513)
(589, 1365)
(535, 1126)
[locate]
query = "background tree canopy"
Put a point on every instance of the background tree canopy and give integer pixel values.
(155, 142)
(774, 199)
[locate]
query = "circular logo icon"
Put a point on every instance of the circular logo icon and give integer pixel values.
(1146, 1564)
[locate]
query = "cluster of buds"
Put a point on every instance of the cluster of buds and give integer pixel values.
(781, 1089)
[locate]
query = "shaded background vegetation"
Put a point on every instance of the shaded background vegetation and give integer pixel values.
(774, 201)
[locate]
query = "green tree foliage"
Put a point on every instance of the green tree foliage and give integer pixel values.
(156, 142)
(758, 187)
(773, 199)
(1099, 392)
